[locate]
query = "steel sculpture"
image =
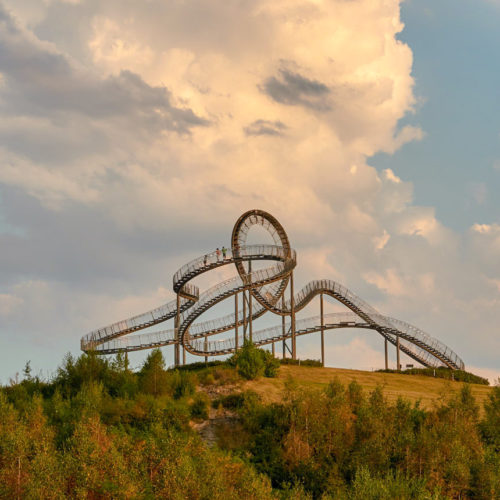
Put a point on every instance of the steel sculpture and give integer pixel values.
(263, 290)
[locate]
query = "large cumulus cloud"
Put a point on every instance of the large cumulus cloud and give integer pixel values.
(133, 135)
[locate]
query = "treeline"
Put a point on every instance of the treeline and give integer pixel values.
(99, 430)
(443, 372)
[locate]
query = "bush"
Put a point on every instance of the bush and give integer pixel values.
(301, 362)
(206, 378)
(443, 372)
(183, 383)
(199, 365)
(199, 407)
(252, 362)
(271, 365)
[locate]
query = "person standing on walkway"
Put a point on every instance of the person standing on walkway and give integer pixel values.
(224, 251)
(217, 252)
(205, 260)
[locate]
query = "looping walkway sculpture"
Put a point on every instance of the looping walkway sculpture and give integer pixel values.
(261, 290)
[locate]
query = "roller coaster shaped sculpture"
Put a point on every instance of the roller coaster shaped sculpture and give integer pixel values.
(262, 291)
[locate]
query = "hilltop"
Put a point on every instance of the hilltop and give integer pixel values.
(425, 389)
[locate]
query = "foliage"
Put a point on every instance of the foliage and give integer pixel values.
(252, 362)
(201, 365)
(271, 365)
(199, 406)
(301, 362)
(99, 430)
(343, 443)
(490, 426)
(443, 372)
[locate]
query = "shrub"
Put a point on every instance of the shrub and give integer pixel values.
(206, 378)
(271, 365)
(252, 362)
(183, 383)
(199, 407)
(301, 362)
(443, 372)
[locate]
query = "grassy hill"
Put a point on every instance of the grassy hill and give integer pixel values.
(413, 387)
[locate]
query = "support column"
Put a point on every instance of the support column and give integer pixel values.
(250, 302)
(272, 350)
(244, 314)
(322, 330)
(183, 355)
(292, 317)
(176, 332)
(236, 321)
(386, 355)
(283, 325)
(397, 354)
(205, 347)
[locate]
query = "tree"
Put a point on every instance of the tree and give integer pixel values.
(27, 371)
(153, 377)
(490, 424)
(252, 362)
(249, 361)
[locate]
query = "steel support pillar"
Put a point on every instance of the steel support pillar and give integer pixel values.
(176, 330)
(205, 346)
(397, 353)
(322, 329)
(236, 321)
(292, 318)
(244, 314)
(250, 302)
(283, 325)
(386, 354)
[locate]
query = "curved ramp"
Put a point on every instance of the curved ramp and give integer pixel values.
(267, 286)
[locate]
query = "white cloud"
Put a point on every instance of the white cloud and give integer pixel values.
(486, 228)
(8, 303)
(390, 282)
(381, 241)
(389, 175)
(134, 138)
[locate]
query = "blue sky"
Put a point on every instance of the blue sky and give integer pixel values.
(457, 82)
(132, 138)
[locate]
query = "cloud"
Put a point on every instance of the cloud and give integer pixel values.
(486, 228)
(8, 303)
(40, 81)
(294, 89)
(133, 138)
(265, 127)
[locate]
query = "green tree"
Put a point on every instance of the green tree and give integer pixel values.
(271, 364)
(490, 425)
(153, 377)
(252, 362)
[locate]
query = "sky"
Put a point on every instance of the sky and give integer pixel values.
(133, 134)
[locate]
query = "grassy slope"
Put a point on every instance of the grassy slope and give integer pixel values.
(412, 387)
